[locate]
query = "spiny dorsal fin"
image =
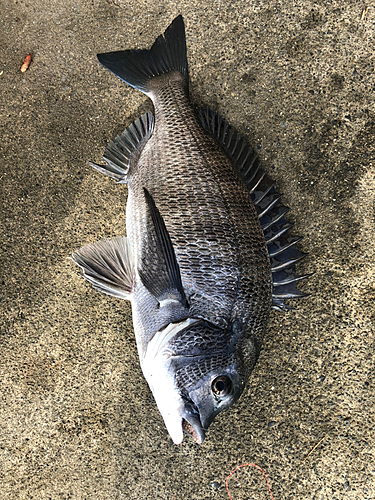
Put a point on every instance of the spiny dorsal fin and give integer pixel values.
(123, 152)
(159, 269)
(138, 67)
(239, 152)
(283, 254)
(108, 266)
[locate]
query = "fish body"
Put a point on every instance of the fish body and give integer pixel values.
(205, 257)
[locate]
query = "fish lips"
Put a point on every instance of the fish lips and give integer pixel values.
(191, 424)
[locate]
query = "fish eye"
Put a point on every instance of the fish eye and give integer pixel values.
(221, 386)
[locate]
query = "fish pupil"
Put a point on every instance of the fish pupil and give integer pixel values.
(220, 386)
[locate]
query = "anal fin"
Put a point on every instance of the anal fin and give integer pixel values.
(108, 266)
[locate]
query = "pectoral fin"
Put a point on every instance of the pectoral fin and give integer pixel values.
(108, 266)
(159, 270)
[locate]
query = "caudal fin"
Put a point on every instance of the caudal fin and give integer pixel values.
(138, 67)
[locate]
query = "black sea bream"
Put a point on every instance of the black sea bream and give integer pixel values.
(206, 254)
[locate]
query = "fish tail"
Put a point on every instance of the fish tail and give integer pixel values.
(138, 67)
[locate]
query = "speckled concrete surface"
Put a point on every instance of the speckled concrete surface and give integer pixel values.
(77, 420)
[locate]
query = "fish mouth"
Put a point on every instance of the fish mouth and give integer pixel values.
(191, 425)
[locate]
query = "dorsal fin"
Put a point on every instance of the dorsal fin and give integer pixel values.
(123, 152)
(283, 254)
(239, 152)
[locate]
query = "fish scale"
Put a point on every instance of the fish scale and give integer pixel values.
(206, 254)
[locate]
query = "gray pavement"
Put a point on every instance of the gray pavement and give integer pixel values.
(77, 420)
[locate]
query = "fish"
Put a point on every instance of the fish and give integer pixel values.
(206, 254)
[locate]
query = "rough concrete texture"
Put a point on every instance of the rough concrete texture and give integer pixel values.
(77, 419)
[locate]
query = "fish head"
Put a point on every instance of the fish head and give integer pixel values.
(195, 370)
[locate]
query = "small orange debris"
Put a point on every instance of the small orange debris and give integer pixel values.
(26, 62)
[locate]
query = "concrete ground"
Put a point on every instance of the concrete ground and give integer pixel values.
(77, 420)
